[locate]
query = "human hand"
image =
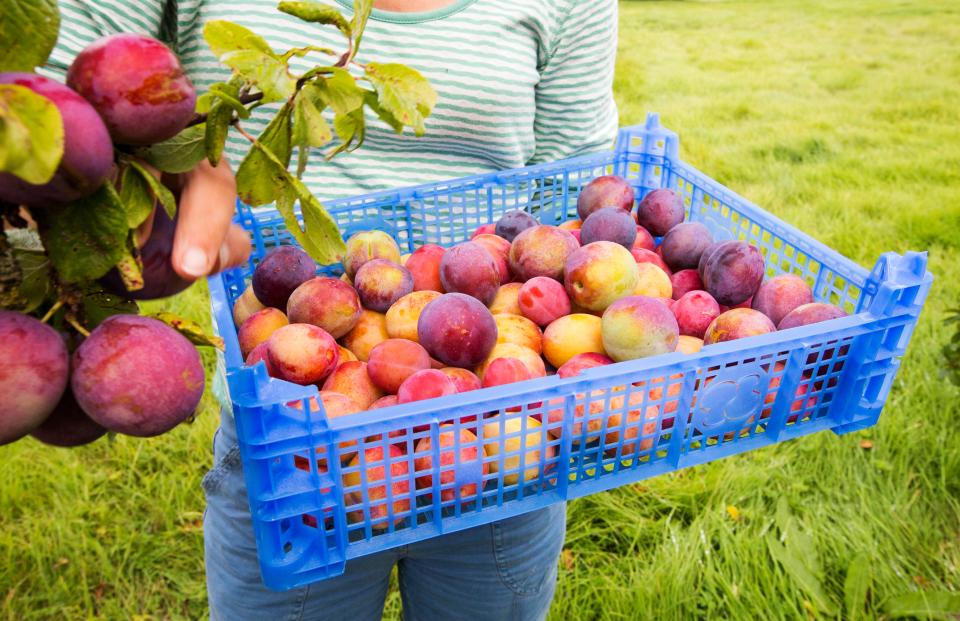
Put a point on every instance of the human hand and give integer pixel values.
(206, 241)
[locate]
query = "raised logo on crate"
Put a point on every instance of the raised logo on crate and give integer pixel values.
(730, 398)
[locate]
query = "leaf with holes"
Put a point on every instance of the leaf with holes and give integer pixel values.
(403, 92)
(10, 276)
(24, 276)
(35, 286)
(86, 238)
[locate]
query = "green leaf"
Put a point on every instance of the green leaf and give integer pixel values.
(269, 73)
(160, 192)
(320, 237)
(190, 329)
(797, 552)
(31, 134)
(310, 129)
(258, 183)
(28, 32)
(403, 92)
(10, 276)
(35, 285)
(129, 266)
(856, 585)
(85, 238)
(310, 11)
(385, 116)
(309, 125)
(250, 56)
(136, 197)
(215, 137)
(951, 350)
(799, 544)
(361, 13)
(180, 154)
(24, 275)
(340, 91)
(300, 52)
(924, 605)
(99, 304)
(351, 129)
(800, 574)
(224, 37)
(225, 101)
(204, 102)
(277, 136)
(257, 180)
(228, 94)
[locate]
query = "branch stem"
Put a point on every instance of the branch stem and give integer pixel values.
(243, 132)
(76, 325)
(244, 98)
(53, 311)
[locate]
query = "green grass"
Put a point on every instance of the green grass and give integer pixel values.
(843, 118)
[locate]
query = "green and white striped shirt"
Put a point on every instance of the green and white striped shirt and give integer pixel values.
(519, 81)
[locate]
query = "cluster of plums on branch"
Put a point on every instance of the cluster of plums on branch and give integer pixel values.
(133, 375)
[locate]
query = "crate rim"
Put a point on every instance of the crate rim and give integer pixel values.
(674, 362)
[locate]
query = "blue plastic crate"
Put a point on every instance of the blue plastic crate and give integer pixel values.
(313, 511)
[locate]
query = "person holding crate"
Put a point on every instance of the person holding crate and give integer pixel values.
(520, 82)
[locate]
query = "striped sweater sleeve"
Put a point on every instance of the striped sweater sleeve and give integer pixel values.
(576, 113)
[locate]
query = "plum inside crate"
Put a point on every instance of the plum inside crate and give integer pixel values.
(325, 490)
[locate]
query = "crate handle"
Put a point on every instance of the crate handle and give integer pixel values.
(896, 283)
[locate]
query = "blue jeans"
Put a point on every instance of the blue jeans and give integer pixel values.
(504, 570)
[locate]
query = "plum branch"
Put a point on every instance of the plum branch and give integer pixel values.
(85, 202)
(244, 98)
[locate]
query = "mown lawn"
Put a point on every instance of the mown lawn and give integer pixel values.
(843, 118)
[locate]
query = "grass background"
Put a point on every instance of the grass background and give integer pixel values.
(843, 118)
